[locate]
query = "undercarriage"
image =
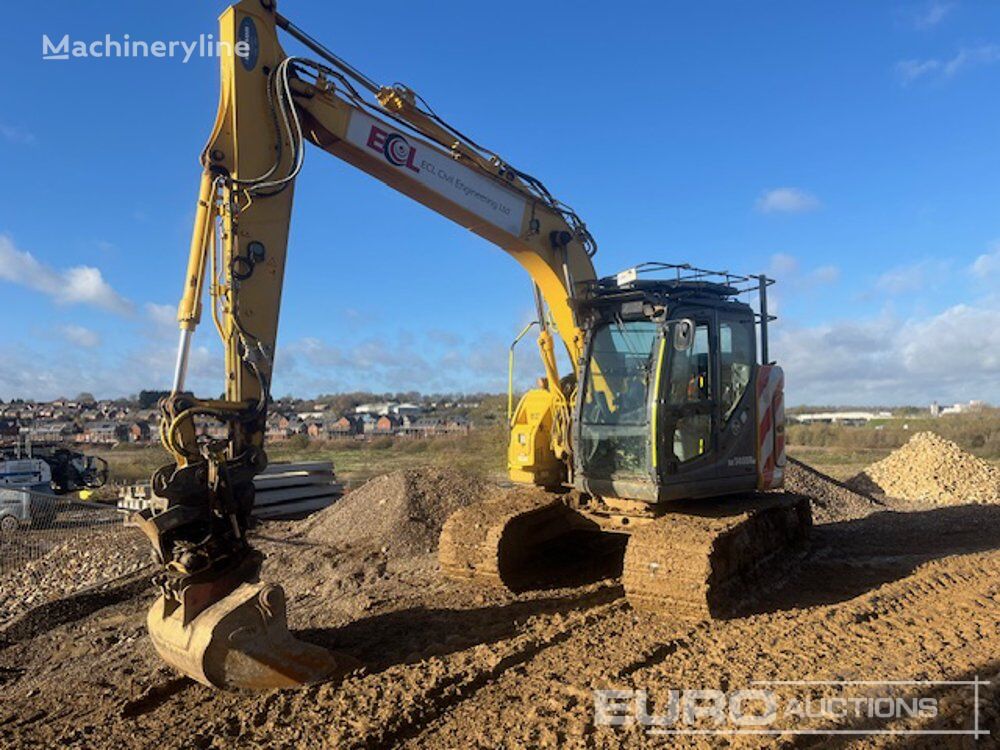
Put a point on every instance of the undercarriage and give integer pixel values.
(696, 560)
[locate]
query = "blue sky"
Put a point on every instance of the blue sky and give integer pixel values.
(848, 148)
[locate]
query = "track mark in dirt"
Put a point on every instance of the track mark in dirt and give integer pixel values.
(154, 697)
(949, 589)
(392, 638)
(853, 558)
(10, 674)
(655, 656)
(455, 690)
(423, 692)
(51, 615)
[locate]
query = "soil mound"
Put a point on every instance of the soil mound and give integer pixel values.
(933, 469)
(831, 500)
(399, 513)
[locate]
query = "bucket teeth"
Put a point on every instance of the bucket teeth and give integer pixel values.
(714, 560)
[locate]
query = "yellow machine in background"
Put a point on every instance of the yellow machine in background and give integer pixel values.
(666, 398)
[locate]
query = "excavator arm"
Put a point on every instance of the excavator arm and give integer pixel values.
(215, 620)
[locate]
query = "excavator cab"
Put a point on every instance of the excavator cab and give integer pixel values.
(666, 407)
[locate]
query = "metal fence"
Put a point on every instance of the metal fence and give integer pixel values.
(53, 547)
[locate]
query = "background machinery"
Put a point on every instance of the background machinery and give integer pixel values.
(52, 466)
(670, 401)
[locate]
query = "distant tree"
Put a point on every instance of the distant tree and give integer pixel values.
(298, 442)
(148, 399)
(85, 398)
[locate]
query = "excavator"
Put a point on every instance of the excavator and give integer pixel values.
(668, 428)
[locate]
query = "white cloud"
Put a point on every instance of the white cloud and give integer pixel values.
(932, 14)
(902, 279)
(14, 134)
(972, 57)
(783, 264)
(80, 335)
(953, 355)
(82, 285)
(435, 361)
(43, 372)
(828, 274)
(164, 316)
(787, 269)
(787, 200)
(966, 58)
(911, 70)
(987, 265)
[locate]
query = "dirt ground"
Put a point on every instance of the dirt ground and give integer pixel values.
(889, 590)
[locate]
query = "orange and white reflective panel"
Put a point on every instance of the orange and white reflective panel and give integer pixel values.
(770, 427)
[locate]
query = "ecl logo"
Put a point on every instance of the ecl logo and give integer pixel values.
(394, 147)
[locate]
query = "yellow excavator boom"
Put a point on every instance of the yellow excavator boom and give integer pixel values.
(214, 613)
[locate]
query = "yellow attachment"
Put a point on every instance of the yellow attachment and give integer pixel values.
(240, 642)
(530, 455)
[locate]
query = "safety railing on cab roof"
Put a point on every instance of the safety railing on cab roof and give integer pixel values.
(741, 284)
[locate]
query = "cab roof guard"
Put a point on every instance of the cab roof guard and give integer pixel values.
(720, 283)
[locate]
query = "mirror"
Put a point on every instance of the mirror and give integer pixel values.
(683, 334)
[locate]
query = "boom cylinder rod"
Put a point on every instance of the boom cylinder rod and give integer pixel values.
(323, 52)
(180, 369)
(540, 307)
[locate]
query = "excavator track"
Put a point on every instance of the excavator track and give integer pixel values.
(713, 559)
(494, 541)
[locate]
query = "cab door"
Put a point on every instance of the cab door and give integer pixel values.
(687, 404)
(737, 368)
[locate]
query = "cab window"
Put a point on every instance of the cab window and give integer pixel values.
(690, 384)
(614, 431)
(736, 360)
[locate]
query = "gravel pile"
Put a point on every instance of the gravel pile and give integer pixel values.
(936, 470)
(831, 500)
(400, 514)
(86, 558)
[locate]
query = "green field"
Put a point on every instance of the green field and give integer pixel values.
(837, 450)
(481, 452)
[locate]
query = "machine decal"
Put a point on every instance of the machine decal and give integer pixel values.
(770, 426)
(248, 35)
(438, 171)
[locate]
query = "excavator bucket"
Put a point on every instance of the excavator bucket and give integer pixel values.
(241, 642)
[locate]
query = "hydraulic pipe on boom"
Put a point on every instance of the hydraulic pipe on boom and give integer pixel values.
(215, 620)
